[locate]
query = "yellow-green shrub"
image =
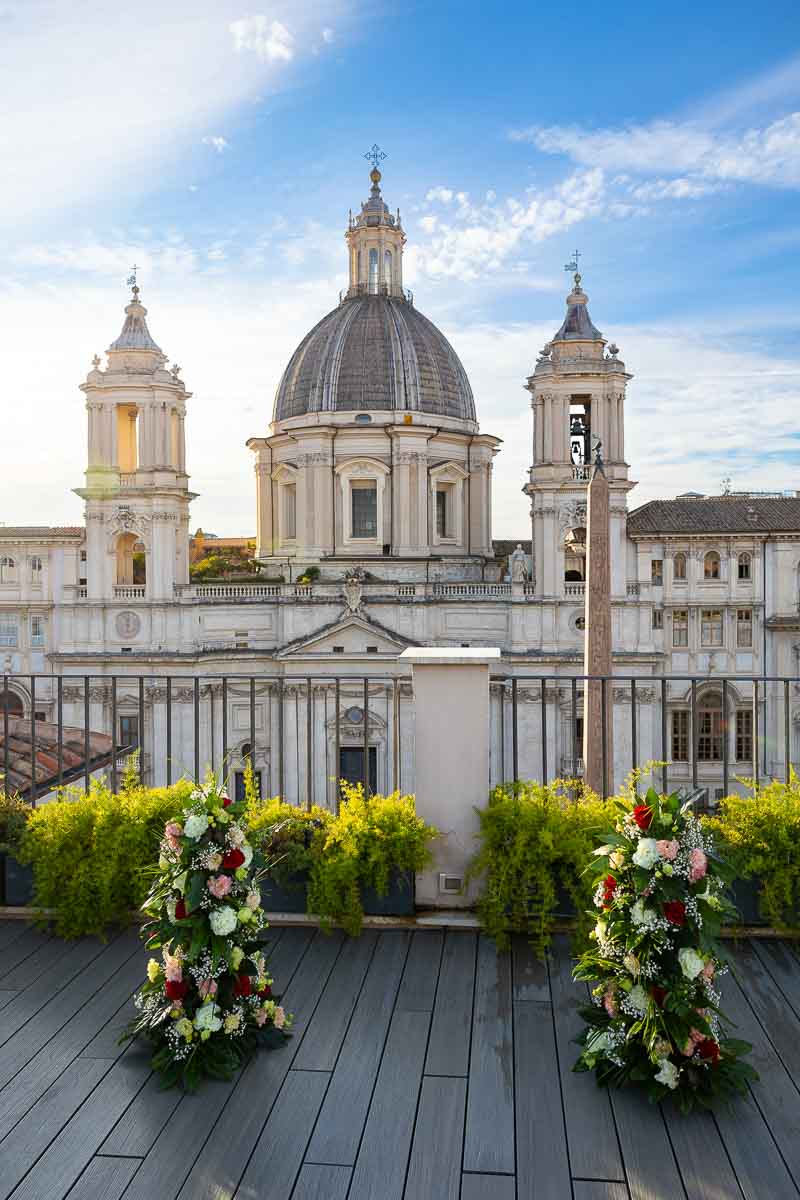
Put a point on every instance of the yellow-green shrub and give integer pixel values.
(759, 835)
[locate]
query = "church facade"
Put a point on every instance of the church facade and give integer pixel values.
(374, 533)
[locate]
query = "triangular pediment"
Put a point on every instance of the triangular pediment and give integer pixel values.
(353, 635)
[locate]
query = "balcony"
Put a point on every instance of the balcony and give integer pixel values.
(129, 591)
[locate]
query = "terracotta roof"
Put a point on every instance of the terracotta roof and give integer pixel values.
(718, 514)
(73, 755)
(41, 531)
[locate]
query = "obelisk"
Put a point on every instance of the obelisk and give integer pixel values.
(597, 637)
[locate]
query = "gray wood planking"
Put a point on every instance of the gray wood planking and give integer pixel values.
(382, 1161)
(81, 1120)
(489, 1133)
(317, 1182)
(451, 1029)
(30, 942)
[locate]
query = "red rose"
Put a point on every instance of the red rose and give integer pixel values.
(643, 816)
(242, 987)
(609, 887)
(180, 910)
(659, 994)
(233, 859)
(675, 911)
(176, 989)
(265, 992)
(709, 1049)
(226, 800)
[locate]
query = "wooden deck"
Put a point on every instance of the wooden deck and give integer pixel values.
(424, 1066)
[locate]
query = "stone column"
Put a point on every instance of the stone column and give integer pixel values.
(597, 642)
(451, 757)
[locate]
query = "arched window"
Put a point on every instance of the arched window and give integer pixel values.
(8, 569)
(387, 269)
(36, 568)
(744, 566)
(711, 565)
(710, 727)
(10, 702)
(575, 555)
(679, 567)
(373, 271)
(131, 561)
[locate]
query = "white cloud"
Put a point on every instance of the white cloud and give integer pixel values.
(440, 195)
(328, 36)
(673, 189)
(217, 142)
(270, 40)
(768, 155)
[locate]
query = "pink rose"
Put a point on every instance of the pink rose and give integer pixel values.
(610, 1004)
(208, 987)
(668, 850)
(688, 1049)
(173, 829)
(173, 968)
(253, 900)
(279, 1018)
(708, 970)
(261, 1016)
(696, 1036)
(219, 885)
(698, 866)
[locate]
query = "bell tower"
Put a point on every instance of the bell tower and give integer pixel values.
(136, 490)
(578, 400)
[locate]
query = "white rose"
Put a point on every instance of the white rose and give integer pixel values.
(206, 1018)
(691, 962)
(637, 998)
(668, 1074)
(223, 920)
(616, 860)
(640, 914)
(646, 854)
(195, 827)
(631, 963)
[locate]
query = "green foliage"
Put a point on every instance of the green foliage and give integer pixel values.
(359, 848)
(535, 841)
(91, 852)
(309, 575)
(760, 836)
(14, 813)
(288, 834)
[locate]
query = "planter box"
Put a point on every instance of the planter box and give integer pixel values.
(398, 901)
(18, 883)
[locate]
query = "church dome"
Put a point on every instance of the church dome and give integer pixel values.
(375, 353)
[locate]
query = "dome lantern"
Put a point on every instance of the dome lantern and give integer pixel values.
(375, 239)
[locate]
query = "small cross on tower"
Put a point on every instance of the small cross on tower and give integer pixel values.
(572, 265)
(375, 156)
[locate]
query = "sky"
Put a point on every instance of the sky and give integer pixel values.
(219, 146)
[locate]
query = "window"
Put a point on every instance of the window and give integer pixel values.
(8, 631)
(128, 732)
(658, 618)
(744, 566)
(239, 785)
(680, 736)
(744, 628)
(290, 512)
(680, 627)
(441, 512)
(83, 556)
(362, 419)
(8, 569)
(744, 735)
(387, 269)
(373, 271)
(36, 568)
(10, 701)
(711, 627)
(351, 765)
(711, 565)
(37, 631)
(127, 438)
(575, 555)
(131, 560)
(710, 728)
(679, 568)
(657, 572)
(364, 510)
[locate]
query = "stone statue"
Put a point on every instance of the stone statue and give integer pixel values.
(516, 561)
(353, 587)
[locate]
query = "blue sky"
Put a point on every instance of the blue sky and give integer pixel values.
(220, 146)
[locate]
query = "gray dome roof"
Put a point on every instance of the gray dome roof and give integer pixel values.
(375, 353)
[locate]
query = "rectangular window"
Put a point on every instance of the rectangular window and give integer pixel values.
(658, 618)
(364, 501)
(8, 631)
(709, 735)
(441, 512)
(744, 735)
(128, 732)
(290, 511)
(37, 631)
(657, 572)
(744, 628)
(680, 736)
(679, 567)
(680, 627)
(711, 627)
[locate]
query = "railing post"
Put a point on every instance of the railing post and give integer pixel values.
(451, 768)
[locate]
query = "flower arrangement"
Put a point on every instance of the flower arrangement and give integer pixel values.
(656, 1018)
(207, 1003)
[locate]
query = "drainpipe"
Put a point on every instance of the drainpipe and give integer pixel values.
(764, 642)
(469, 495)
(333, 488)
(391, 495)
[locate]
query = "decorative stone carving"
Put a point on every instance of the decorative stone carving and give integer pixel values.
(571, 515)
(410, 456)
(315, 458)
(127, 624)
(353, 588)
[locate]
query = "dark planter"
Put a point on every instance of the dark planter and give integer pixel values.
(18, 881)
(288, 899)
(398, 901)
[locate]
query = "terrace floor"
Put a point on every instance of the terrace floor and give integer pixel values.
(424, 1066)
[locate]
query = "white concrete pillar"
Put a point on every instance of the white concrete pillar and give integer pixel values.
(451, 757)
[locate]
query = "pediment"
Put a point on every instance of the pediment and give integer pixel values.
(353, 635)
